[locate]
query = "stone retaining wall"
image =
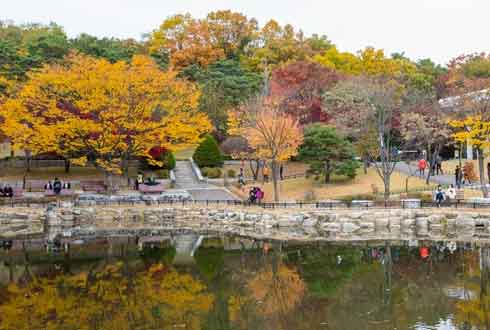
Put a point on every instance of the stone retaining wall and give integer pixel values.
(16, 222)
(291, 223)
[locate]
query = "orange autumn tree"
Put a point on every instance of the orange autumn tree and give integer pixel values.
(103, 113)
(270, 131)
(184, 41)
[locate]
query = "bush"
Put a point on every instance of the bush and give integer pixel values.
(160, 154)
(208, 154)
(231, 173)
(361, 197)
(211, 172)
(169, 162)
(163, 174)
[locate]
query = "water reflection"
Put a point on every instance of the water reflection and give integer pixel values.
(234, 283)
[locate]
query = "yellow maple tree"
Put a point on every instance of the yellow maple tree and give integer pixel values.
(95, 111)
(369, 61)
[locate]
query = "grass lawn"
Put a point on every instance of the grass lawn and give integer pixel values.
(304, 188)
(75, 174)
(48, 173)
(290, 168)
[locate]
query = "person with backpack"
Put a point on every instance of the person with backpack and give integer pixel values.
(57, 186)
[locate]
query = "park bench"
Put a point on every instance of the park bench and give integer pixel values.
(459, 195)
(151, 189)
(18, 192)
(93, 186)
(63, 192)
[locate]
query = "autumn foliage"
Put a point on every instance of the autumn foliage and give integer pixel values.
(109, 299)
(95, 111)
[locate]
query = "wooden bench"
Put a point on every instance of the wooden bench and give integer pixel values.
(63, 192)
(459, 195)
(18, 192)
(93, 186)
(151, 189)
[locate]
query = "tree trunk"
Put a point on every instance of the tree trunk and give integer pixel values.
(481, 168)
(28, 161)
(255, 171)
(109, 182)
(365, 163)
(432, 163)
(126, 170)
(386, 182)
(67, 165)
(460, 153)
(327, 171)
(274, 180)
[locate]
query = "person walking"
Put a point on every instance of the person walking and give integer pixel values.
(241, 179)
(439, 165)
(466, 177)
(265, 173)
(488, 172)
(458, 175)
(422, 166)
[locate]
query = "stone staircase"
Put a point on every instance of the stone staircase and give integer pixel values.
(184, 176)
(186, 179)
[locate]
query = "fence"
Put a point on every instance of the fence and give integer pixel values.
(320, 205)
(42, 163)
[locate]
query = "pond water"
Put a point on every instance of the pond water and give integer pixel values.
(235, 283)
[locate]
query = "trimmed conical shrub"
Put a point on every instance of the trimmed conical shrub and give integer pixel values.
(208, 154)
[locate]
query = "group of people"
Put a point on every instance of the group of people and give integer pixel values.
(149, 181)
(6, 191)
(255, 195)
(57, 186)
(441, 195)
(265, 173)
(460, 176)
(435, 169)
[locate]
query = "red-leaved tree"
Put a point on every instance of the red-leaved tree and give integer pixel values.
(300, 86)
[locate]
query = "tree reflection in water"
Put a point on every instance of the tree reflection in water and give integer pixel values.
(236, 285)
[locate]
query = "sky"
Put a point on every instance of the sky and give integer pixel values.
(436, 29)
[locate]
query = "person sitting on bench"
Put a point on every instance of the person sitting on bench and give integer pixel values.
(57, 186)
(7, 191)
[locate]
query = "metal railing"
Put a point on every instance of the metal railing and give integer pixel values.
(357, 205)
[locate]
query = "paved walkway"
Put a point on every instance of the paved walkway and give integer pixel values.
(445, 179)
(404, 168)
(186, 179)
